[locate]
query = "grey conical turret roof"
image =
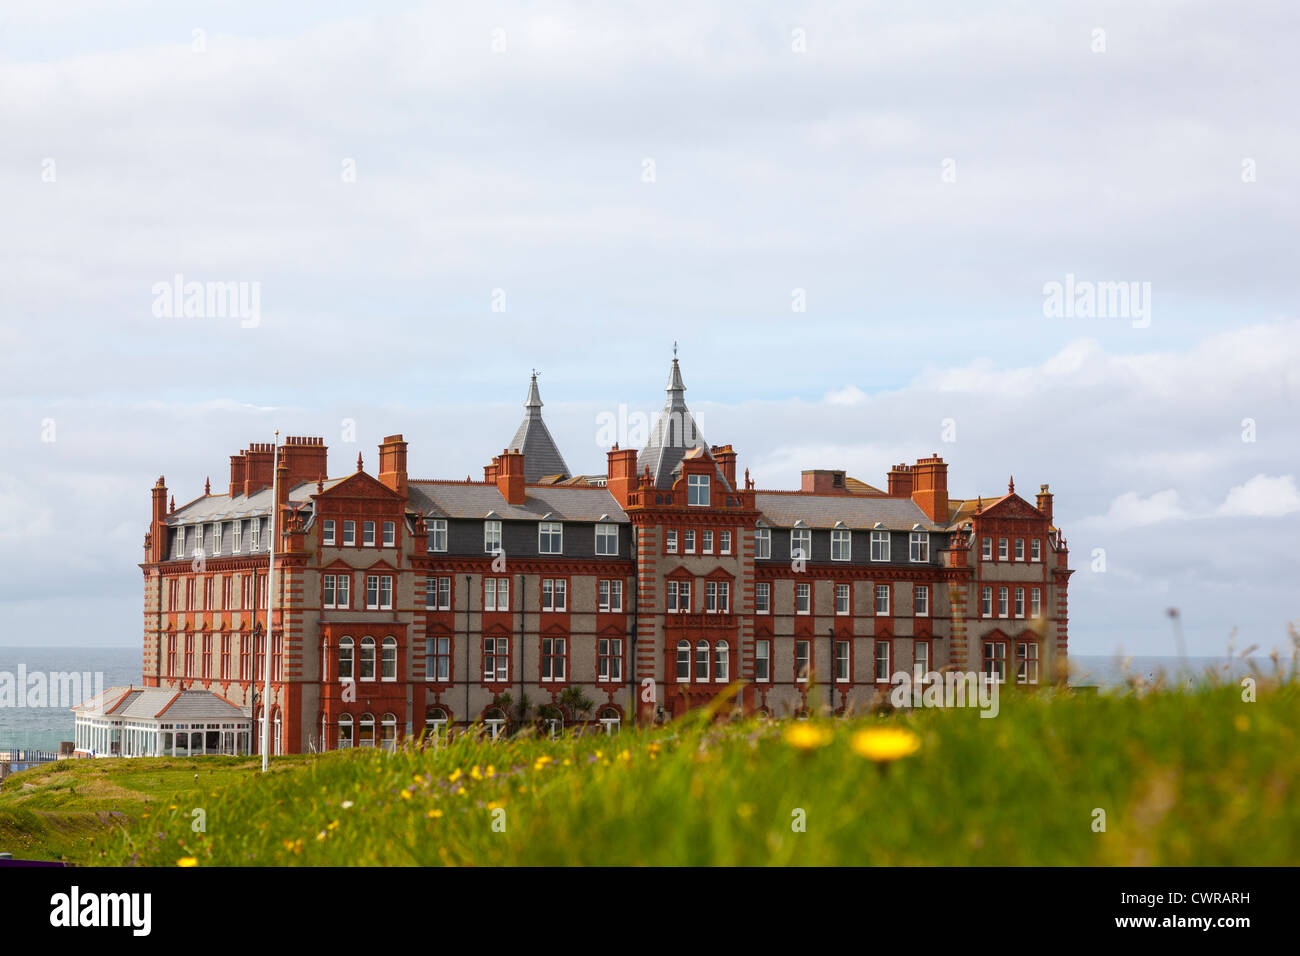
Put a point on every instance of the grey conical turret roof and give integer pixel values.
(542, 459)
(674, 434)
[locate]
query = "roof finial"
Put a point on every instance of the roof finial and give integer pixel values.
(674, 348)
(1011, 485)
(358, 461)
(207, 486)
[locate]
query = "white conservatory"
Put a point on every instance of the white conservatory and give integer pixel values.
(159, 722)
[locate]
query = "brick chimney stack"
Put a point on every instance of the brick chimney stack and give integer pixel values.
(510, 476)
(900, 481)
(260, 459)
(930, 487)
(621, 478)
(392, 463)
(158, 521)
(238, 470)
(824, 481)
(725, 456)
(1045, 502)
(306, 457)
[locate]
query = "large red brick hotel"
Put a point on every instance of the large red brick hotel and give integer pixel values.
(405, 604)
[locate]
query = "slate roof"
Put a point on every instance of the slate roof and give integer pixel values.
(542, 459)
(857, 512)
(222, 507)
(475, 499)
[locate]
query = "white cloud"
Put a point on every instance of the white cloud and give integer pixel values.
(1263, 496)
(1131, 509)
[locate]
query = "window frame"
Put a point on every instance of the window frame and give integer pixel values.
(549, 531)
(606, 530)
(841, 544)
(881, 548)
(763, 661)
(698, 491)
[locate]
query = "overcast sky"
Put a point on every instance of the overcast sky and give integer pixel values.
(619, 179)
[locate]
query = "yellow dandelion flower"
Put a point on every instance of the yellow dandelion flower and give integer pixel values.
(491, 772)
(320, 837)
(455, 775)
(476, 773)
(333, 826)
(625, 755)
(806, 735)
(187, 861)
(460, 792)
(568, 762)
(883, 744)
(434, 814)
(406, 794)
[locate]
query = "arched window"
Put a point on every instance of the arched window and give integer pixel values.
(435, 721)
(277, 744)
(388, 733)
(722, 661)
(345, 731)
(610, 720)
(367, 658)
(683, 660)
(389, 660)
(367, 735)
(495, 718)
(702, 661)
(346, 671)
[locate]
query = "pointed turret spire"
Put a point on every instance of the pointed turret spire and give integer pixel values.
(1011, 485)
(676, 387)
(207, 486)
(674, 434)
(534, 403)
(542, 459)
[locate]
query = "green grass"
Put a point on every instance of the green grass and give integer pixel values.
(1199, 778)
(72, 810)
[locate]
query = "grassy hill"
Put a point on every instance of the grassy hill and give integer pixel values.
(1182, 779)
(74, 810)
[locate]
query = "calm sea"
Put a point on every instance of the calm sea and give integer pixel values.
(42, 728)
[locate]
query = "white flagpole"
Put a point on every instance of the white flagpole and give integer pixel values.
(270, 606)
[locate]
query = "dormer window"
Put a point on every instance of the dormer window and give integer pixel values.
(491, 537)
(880, 546)
(607, 539)
(841, 544)
(762, 542)
(801, 544)
(550, 537)
(697, 490)
(438, 534)
(919, 546)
